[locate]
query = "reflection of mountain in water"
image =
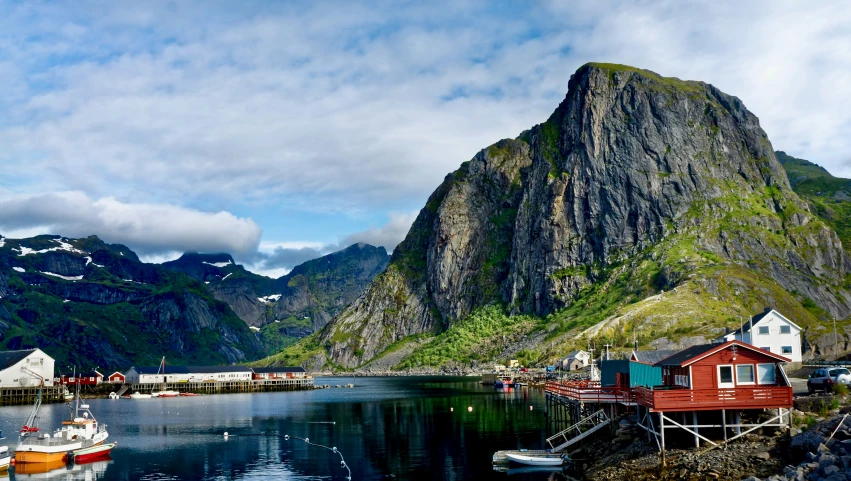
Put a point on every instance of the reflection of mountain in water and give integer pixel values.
(59, 471)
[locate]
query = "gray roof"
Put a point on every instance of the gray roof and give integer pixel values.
(10, 358)
(753, 321)
(652, 357)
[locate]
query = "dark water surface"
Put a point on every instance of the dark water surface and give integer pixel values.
(387, 428)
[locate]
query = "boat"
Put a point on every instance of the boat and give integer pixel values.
(93, 453)
(137, 395)
(188, 394)
(39, 470)
(165, 394)
(5, 458)
(548, 459)
(81, 431)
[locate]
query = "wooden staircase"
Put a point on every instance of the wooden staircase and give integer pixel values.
(579, 431)
(123, 389)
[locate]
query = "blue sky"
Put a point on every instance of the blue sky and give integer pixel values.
(278, 131)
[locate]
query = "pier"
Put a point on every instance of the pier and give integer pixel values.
(26, 395)
(225, 387)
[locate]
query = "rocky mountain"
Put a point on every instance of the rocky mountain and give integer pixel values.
(295, 305)
(827, 196)
(89, 303)
(645, 207)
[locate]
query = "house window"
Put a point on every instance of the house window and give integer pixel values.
(786, 349)
(763, 329)
(766, 348)
(765, 374)
(744, 374)
(725, 375)
(785, 329)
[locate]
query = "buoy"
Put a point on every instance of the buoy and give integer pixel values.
(530, 408)
(226, 434)
(470, 409)
(452, 410)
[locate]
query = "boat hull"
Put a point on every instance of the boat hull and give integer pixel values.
(25, 457)
(5, 461)
(93, 454)
(535, 460)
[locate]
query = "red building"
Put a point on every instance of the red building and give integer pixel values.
(116, 378)
(91, 378)
(712, 386)
(275, 373)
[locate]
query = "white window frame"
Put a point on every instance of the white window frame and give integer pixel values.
(773, 372)
(732, 383)
(783, 350)
(760, 328)
(788, 329)
(753, 373)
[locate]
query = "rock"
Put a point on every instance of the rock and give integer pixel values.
(830, 469)
(628, 161)
(762, 455)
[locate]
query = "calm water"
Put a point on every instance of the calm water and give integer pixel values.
(387, 428)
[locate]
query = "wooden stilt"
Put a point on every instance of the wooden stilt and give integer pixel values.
(662, 434)
(694, 426)
(724, 423)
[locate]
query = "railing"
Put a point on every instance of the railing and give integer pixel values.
(707, 399)
(578, 431)
(591, 391)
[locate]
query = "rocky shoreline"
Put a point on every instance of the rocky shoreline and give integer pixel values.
(819, 449)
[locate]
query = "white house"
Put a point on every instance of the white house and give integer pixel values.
(771, 331)
(25, 368)
(575, 360)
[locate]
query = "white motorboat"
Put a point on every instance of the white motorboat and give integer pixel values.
(549, 459)
(137, 395)
(165, 393)
(5, 458)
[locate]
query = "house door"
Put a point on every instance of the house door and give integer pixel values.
(725, 377)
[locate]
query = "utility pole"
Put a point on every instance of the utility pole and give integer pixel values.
(835, 337)
(607, 350)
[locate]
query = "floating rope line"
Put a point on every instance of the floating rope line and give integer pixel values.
(287, 437)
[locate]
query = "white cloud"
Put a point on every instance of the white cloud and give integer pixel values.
(343, 108)
(389, 235)
(148, 228)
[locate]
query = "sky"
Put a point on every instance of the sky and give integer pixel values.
(281, 131)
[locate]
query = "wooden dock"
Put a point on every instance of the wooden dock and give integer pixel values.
(216, 387)
(26, 395)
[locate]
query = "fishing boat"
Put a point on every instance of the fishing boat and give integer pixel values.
(81, 431)
(137, 395)
(5, 458)
(93, 453)
(538, 459)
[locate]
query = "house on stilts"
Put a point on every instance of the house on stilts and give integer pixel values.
(732, 389)
(714, 393)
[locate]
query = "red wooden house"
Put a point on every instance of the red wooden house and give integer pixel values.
(91, 378)
(727, 378)
(116, 378)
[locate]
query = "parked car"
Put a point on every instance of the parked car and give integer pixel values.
(823, 379)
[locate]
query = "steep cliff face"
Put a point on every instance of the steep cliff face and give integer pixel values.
(636, 184)
(94, 304)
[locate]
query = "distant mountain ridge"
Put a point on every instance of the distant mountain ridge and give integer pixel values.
(90, 303)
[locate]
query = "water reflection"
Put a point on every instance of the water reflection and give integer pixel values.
(407, 428)
(60, 472)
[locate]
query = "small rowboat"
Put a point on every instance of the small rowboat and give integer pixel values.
(93, 453)
(551, 459)
(188, 394)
